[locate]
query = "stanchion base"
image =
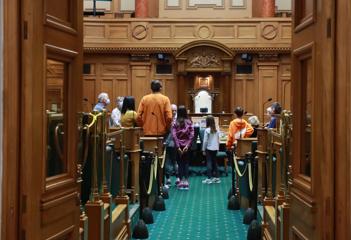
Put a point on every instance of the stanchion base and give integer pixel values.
(230, 193)
(147, 216)
(249, 216)
(159, 204)
(140, 230)
(234, 203)
(254, 232)
(165, 193)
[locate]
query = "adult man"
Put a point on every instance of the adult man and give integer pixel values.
(103, 101)
(154, 112)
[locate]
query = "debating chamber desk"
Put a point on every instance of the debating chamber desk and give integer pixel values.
(222, 119)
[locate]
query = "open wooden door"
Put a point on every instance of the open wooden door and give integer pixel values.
(50, 99)
(312, 192)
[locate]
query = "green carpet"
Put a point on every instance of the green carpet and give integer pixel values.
(200, 213)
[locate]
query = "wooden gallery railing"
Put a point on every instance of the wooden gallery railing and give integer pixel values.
(155, 146)
(273, 153)
(105, 213)
(244, 146)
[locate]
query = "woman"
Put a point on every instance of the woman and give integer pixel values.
(128, 118)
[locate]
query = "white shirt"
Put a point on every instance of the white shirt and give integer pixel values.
(211, 140)
(115, 118)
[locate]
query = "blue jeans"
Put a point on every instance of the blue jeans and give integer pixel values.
(211, 163)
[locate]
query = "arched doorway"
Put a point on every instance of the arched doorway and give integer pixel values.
(200, 59)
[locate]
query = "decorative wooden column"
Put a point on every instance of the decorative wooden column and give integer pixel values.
(141, 8)
(268, 8)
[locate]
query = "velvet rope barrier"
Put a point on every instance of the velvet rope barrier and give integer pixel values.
(163, 158)
(237, 167)
(151, 178)
(250, 176)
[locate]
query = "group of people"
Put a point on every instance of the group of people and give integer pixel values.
(158, 117)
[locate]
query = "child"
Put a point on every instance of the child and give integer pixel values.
(210, 148)
(183, 133)
(238, 128)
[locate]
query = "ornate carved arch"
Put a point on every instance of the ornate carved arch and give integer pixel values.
(204, 56)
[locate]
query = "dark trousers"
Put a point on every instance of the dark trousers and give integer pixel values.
(211, 163)
(183, 164)
(171, 163)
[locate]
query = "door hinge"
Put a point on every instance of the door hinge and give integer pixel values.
(24, 204)
(25, 30)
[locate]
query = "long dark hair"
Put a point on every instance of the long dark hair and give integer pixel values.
(181, 115)
(128, 104)
(210, 122)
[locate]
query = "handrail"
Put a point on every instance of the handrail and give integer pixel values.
(57, 144)
(114, 133)
(95, 116)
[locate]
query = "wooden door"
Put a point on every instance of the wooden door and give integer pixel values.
(51, 97)
(312, 192)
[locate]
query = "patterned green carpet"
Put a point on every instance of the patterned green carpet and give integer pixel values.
(200, 213)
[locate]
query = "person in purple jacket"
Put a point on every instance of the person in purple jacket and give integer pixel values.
(183, 134)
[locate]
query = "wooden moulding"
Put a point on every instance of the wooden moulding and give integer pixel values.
(244, 146)
(135, 191)
(83, 227)
(107, 200)
(96, 214)
(131, 138)
(120, 226)
(261, 188)
(262, 136)
(153, 144)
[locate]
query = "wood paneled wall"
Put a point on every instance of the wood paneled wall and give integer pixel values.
(342, 141)
(119, 75)
(109, 74)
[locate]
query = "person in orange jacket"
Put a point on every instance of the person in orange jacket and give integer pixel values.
(154, 112)
(238, 128)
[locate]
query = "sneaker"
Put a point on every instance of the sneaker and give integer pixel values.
(207, 181)
(177, 181)
(180, 185)
(216, 180)
(186, 185)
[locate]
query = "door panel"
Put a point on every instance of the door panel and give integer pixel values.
(312, 86)
(52, 84)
